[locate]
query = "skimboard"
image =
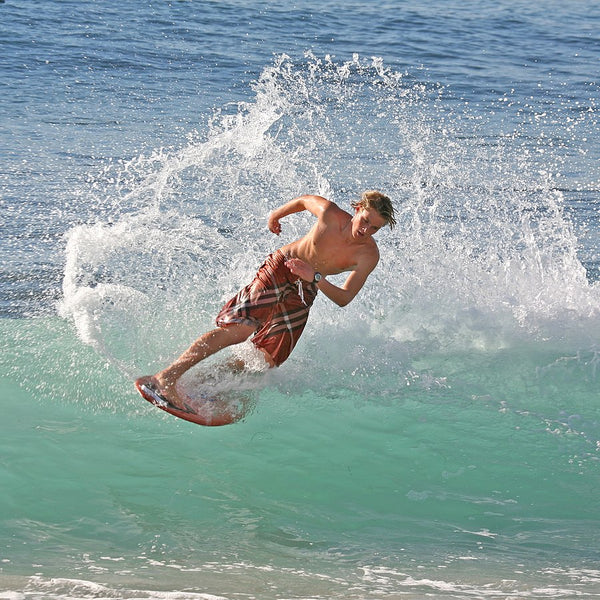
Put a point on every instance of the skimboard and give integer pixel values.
(194, 411)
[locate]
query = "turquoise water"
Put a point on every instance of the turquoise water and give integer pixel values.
(474, 484)
(320, 492)
(439, 437)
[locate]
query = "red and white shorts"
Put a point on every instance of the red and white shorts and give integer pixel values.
(276, 303)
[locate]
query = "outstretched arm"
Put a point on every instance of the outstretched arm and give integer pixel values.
(314, 204)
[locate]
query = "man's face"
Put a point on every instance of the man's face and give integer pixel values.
(366, 222)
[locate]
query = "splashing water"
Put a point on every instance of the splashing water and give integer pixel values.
(483, 252)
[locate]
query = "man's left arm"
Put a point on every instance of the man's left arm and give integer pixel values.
(344, 294)
(354, 282)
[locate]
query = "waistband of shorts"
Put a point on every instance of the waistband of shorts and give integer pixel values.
(279, 257)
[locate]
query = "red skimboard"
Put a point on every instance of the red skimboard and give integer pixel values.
(195, 411)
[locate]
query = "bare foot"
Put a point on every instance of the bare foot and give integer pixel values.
(169, 392)
(205, 411)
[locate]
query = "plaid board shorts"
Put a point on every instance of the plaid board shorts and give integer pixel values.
(276, 304)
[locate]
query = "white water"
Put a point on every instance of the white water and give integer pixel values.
(484, 255)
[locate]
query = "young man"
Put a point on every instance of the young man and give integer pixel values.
(274, 307)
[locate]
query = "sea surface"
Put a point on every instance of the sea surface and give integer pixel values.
(439, 437)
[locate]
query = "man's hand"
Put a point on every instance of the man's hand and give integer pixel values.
(298, 267)
(274, 224)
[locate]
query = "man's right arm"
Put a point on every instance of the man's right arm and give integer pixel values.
(314, 204)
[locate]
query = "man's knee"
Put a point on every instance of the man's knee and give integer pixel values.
(235, 333)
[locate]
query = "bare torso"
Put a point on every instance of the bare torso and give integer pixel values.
(337, 242)
(329, 246)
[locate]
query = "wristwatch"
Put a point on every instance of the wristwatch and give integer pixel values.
(318, 277)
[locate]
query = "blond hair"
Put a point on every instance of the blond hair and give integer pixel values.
(380, 202)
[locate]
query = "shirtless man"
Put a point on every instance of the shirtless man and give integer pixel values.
(274, 307)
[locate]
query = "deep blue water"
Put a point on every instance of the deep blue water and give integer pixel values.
(439, 436)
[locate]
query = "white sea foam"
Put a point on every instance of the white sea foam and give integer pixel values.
(369, 582)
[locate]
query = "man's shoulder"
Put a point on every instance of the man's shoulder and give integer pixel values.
(332, 210)
(369, 254)
(321, 207)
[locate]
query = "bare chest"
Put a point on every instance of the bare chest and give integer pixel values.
(330, 252)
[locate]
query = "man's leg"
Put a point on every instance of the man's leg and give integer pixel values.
(203, 347)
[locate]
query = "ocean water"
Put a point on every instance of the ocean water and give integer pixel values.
(439, 437)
